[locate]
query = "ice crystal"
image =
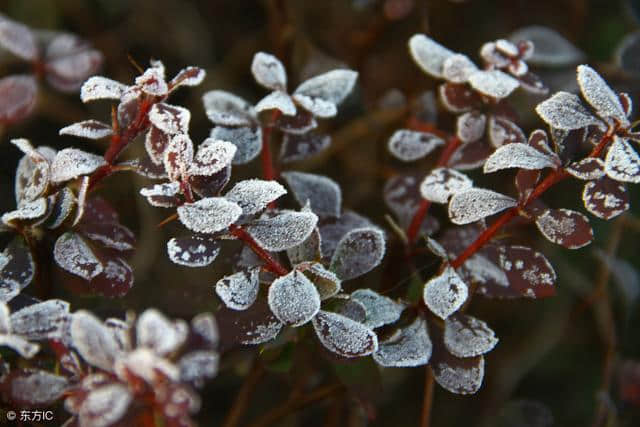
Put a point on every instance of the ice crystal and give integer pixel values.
(466, 336)
(442, 183)
(209, 215)
(323, 194)
(344, 336)
(477, 203)
(408, 348)
(253, 195)
(445, 293)
(408, 145)
(239, 290)
(358, 252)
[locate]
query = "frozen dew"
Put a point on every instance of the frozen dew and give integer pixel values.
(163, 195)
(197, 366)
(193, 251)
(212, 156)
(565, 111)
(332, 86)
(35, 387)
(605, 198)
(358, 252)
(189, 76)
(410, 347)
(18, 39)
(503, 131)
(587, 169)
(98, 87)
(254, 195)
(327, 283)
(18, 97)
(530, 274)
(344, 336)
(28, 211)
(277, 101)
(493, 83)
(466, 336)
(429, 55)
(458, 98)
(269, 71)
(408, 145)
(380, 310)
(110, 234)
(43, 320)
(71, 163)
(622, 162)
(283, 231)
(477, 203)
(209, 215)
(521, 156)
(170, 119)
(565, 227)
(301, 147)
(239, 291)
(294, 299)
(94, 341)
(91, 129)
(248, 141)
(442, 183)
(458, 68)
(105, 405)
(316, 106)
(470, 126)
(445, 293)
(226, 109)
(551, 48)
(460, 376)
(74, 255)
(323, 194)
(152, 82)
(597, 93)
(308, 250)
(155, 331)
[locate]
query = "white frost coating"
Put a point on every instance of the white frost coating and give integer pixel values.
(152, 82)
(105, 405)
(189, 76)
(428, 54)
(323, 194)
(253, 195)
(622, 162)
(23, 347)
(239, 291)
(597, 93)
(332, 86)
(209, 215)
(358, 252)
(269, 71)
(178, 156)
(192, 251)
(91, 129)
(18, 39)
(458, 68)
(197, 366)
(43, 320)
(294, 299)
(411, 347)
(466, 336)
(327, 283)
(605, 199)
(445, 294)
(155, 331)
(470, 126)
(344, 336)
(565, 111)
(277, 100)
(380, 310)
(493, 83)
(170, 119)
(442, 183)
(551, 48)
(226, 109)
(70, 163)
(81, 201)
(460, 378)
(94, 341)
(38, 387)
(98, 87)
(212, 156)
(262, 332)
(283, 231)
(27, 211)
(436, 248)
(316, 106)
(477, 203)
(408, 145)
(587, 169)
(248, 141)
(145, 364)
(161, 194)
(517, 155)
(73, 254)
(565, 227)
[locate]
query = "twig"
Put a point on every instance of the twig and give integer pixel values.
(271, 263)
(241, 401)
(427, 400)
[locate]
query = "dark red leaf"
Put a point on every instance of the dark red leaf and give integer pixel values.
(605, 198)
(458, 98)
(17, 97)
(470, 156)
(301, 147)
(564, 227)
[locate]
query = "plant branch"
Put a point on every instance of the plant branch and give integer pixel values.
(427, 400)
(271, 263)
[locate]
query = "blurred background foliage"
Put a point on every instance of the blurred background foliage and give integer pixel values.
(550, 363)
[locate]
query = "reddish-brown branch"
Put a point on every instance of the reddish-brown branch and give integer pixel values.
(271, 263)
(427, 401)
(269, 171)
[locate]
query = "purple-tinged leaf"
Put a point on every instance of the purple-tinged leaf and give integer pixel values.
(309, 250)
(358, 252)
(170, 119)
(565, 111)
(226, 109)
(17, 269)
(597, 93)
(299, 124)
(333, 230)
(605, 198)
(323, 194)
(93, 340)
(30, 387)
(193, 251)
(110, 234)
(62, 204)
(445, 293)
(178, 156)
(129, 105)
(98, 87)
(458, 68)
(327, 283)
(248, 141)
(379, 310)
(71, 163)
(428, 54)
(283, 231)
(301, 147)
(277, 100)
(503, 131)
(477, 203)
(470, 156)
(116, 279)
(530, 274)
(587, 169)
(212, 157)
(332, 87)
(460, 376)
(254, 195)
(532, 83)
(91, 129)
(409, 347)
(458, 98)
(210, 186)
(269, 71)
(18, 39)
(493, 83)
(521, 156)
(74, 255)
(146, 167)
(470, 126)
(408, 145)
(165, 195)
(402, 197)
(294, 299)
(466, 336)
(105, 405)
(442, 183)
(152, 82)
(526, 181)
(19, 95)
(156, 332)
(239, 291)
(255, 325)
(209, 215)
(344, 336)
(551, 48)
(622, 163)
(189, 76)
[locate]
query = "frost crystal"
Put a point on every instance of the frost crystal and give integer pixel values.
(565, 111)
(587, 169)
(565, 227)
(410, 347)
(170, 119)
(155, 331)
(320, 94)
(445, 294)
(91, 129)
(248, 141)
(269, 71)
(37, 387)
(277, 100)
(605, 198)
(44, 320)
(408, 145)
(503, 131)
(98, 87)
(323, 194)
(466, 336)
(494, 83)
(380, 310)
(477, 203)
(358, 252)
(344, 336)
(293, 299)
(253, 195)
(70, 163)
(162, 195)
(193, 251)
(209, 215)
(470, 126)
(73, 254)
(429, 55)
(520, 156)
(458, 68)
(239, 290)
(461, 376)
(94, 341)
(28, 211)
(622, 162)
(283, 231)
(105, 405)
(442, 183)
(226, 109)
(212, 156)
(597, 93)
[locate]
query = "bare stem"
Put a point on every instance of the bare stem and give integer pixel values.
(427, 400)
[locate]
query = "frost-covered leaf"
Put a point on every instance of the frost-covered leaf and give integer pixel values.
(18, 95)
(18, 39)
(210, 186)
(189, 76)
(301, 147)
(477, 203)
(155, 331)
(225, 109)
(91, 129)
(326, 282)
(255, 325)
(98, 87)
(565, 227)
(532, 83)
(565, 111)
(30, 387)
(332, 87)
(587, 169)
(193, 251)
(323, 194)
(163, 195)
(269, 71)
(198, 366)
(309, 250)
(178, 157)
(299, 124)
(28, 211)
(503, 131)
(408, 145)
(622, 162)
(69, 61)
(458, 98)
(466, 336)
(170, 119)
(32, 173)
(379, 310)
(402, 197)
(344, 336)
(212, 156)
(43, 320)
(442, 183)
(105, 405)
(20, 345)
(460, 376)
(152, 82)
(493, 83)
(93, 340)
(205, 327)
(458, 68)
(279, 101)
(529, 273)
(71, 163)
(429, 55)
(358, 252)
(209, 215)
(116, 279)
(445, 293)
(110, 234)
(333, 231)
(605, 198)
(521, 156)
(470, 156)
(248, 141)
(294, 299)
(410, 347)
(73, 254)
(551, 48)
(253, 195)
(470, 126)
(597, 93)
(283, 231)
(239, 291)
(17, 268)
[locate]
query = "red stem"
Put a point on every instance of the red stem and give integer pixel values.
(272, 264)
(268, 169)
